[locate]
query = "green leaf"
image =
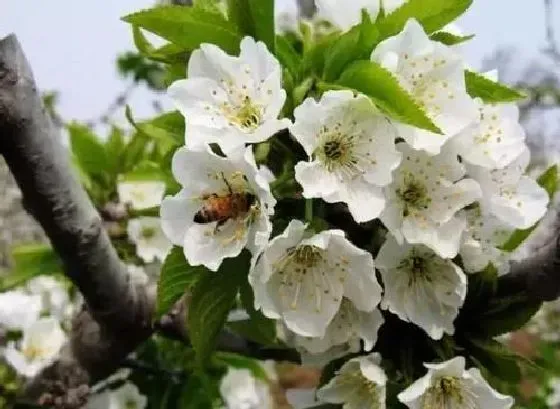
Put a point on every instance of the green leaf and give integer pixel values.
(176, 277)
(213, 296)
(506, 314)
(478, 86)
(167, 53)
(371, 79)
(145, 171)
(548, 181)
(288, 56)
(188, 27)
(354, 45)
(254, 18)
(257, 328)
(30, 261)
(114, 147)
(240, 362)
(167, 129)
(89, 151)
(496, 358)
(449, 39)
(432, 14)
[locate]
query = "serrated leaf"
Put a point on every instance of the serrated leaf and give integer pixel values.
(382, 87)
(353, 45)
(432, 14)
(88, 150)
(176, 277)
(168, 128)
(449, 39)
(188, 27)
(167, 53)
(30, 261)
(478, 86)
(254, 18)
(548, 181)
(212, 298)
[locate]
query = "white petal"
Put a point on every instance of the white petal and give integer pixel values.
(316, 180)
(444, 239)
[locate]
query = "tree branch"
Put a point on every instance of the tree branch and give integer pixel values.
(118, 315)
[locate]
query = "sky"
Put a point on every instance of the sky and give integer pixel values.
(72, 44)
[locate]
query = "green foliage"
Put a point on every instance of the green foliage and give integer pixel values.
(257, 328)
(432, 14)
(30, 261)
(356, 44)
(496, 359)
(506, 314)
(141, 70)
(88, 150)
(478, 86)
(176, 277)
(254, 18)
(168, 128)
(449, 39)
(548, 181)
(167, 53)
(241, 362)
(188, 27)
(213, 296)
(288, 56)
(385, 91)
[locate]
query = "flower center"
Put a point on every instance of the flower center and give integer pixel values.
(359, 389)
(414, 196)
(305, 275)
(449, 392)
(338, 152)
(130, 404)
(32, 352)
(246, 115)
(148, 232)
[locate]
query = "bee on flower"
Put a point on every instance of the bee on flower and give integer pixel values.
(224, 206)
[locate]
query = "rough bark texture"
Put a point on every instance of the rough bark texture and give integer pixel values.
(31, 147)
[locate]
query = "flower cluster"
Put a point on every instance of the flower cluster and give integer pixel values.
(447, 202)
(36, 314)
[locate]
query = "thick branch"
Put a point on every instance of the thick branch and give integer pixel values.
(32, 149)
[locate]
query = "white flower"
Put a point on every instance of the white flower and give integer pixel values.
(240, 390)
(553, 399)
(424, 198)
(54, 296)
(142, 194)
(18, 310)
(230, 100)
(126, 397)
(38, 348)
(151, 242)
(434, 74)
(515, 199)
(286, 16)
(495, 141)
(351, 148)
(346, 14)
(482, 239)
(421, 287)
(359, 384)
(342, 336)
(302, 280)
(223, 207)
(449, 385)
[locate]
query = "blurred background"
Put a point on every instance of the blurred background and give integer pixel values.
(83, 59)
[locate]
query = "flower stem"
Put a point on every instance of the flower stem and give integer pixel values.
(309, 210)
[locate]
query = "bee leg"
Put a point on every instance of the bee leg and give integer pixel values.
(230, 190)
(220, 223)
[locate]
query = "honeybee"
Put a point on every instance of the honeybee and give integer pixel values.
(221, 208)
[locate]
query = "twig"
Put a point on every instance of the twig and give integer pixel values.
(119, 102)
